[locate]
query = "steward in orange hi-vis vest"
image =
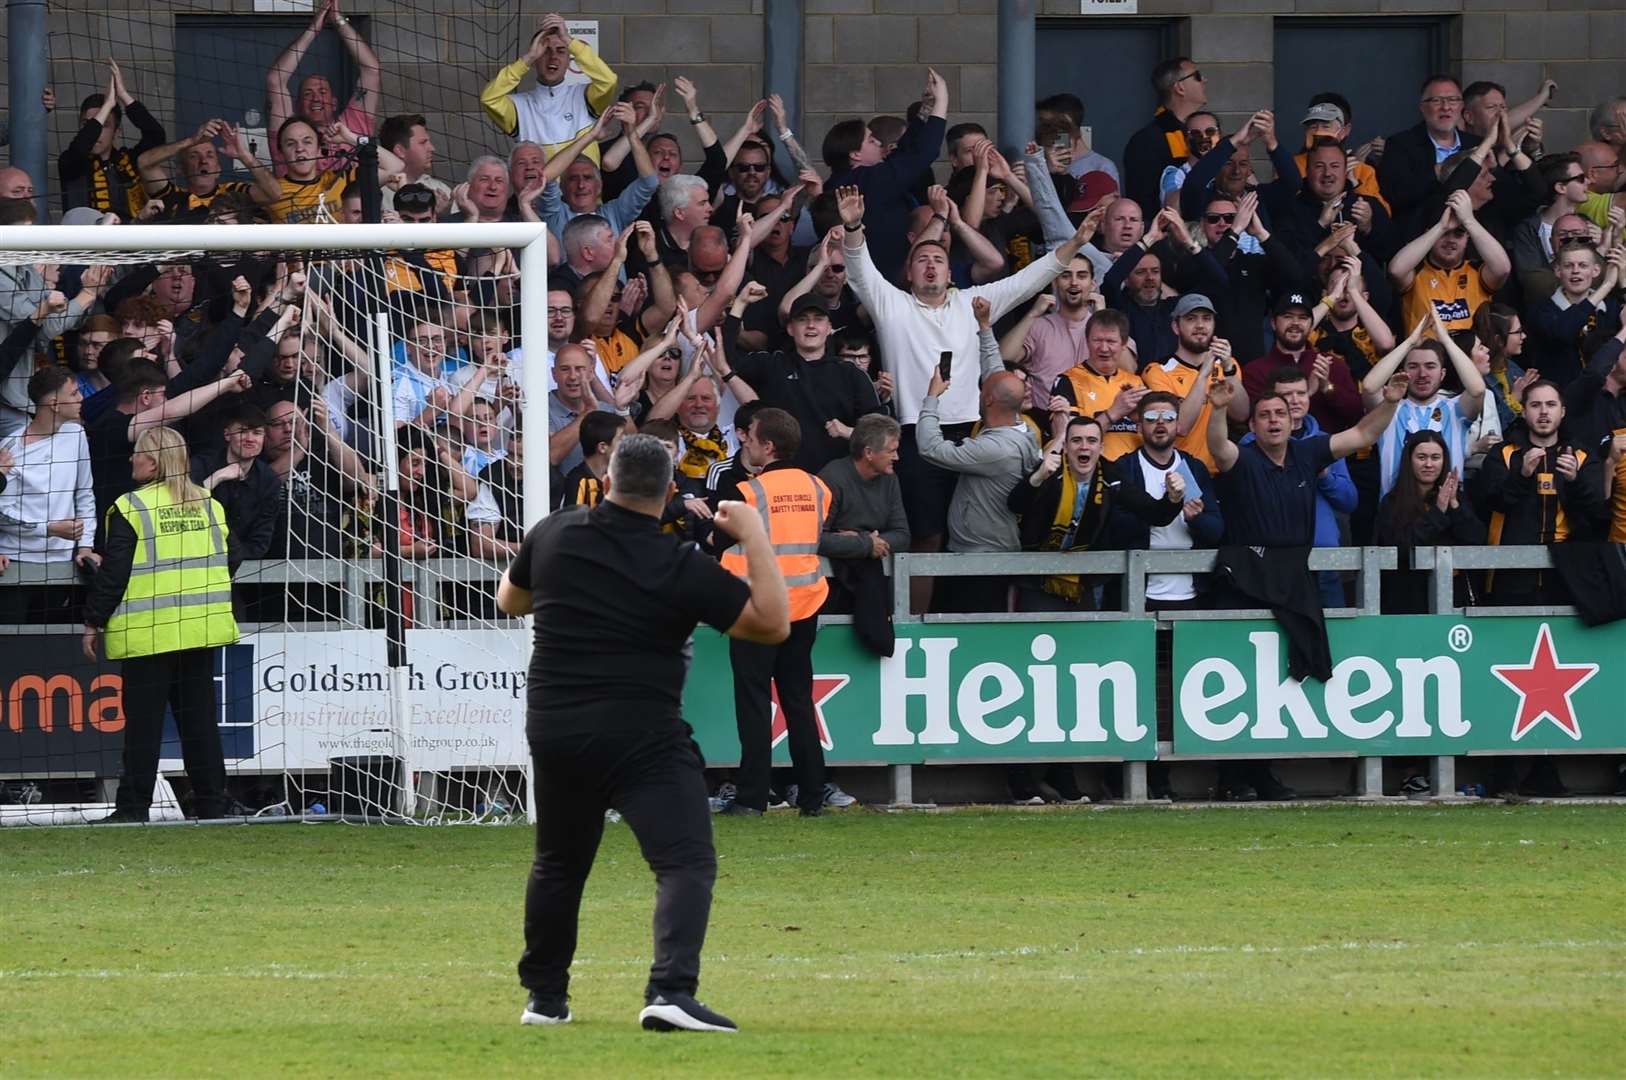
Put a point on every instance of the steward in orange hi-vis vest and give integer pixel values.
(794, 505)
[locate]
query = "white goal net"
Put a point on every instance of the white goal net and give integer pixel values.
(369, 456)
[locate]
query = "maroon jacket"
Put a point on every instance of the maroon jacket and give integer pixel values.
(1336, 410)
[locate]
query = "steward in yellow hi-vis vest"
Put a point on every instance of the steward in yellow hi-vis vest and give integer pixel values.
(162, 601)
(794, 506)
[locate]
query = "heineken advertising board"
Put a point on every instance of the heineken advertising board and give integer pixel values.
(956, 692)
(1423, 684)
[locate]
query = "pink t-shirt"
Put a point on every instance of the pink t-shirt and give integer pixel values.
(354, 117)
(1054, 344)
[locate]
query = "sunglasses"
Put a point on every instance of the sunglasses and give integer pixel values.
(1164, 417)
(1208, 132)
(750, 166)
(1194, 73)
(1215, 219)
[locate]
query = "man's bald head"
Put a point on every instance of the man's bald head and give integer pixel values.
(708, 249)
(1003, 392)
(15, 183)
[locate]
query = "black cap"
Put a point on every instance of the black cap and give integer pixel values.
(805, 303)
(1288, 301)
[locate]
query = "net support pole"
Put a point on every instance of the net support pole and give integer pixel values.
(533, 336)
(28, 57)
(394, 615)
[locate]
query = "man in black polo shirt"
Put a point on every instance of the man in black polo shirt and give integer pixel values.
(615, 599)
(1268, 487)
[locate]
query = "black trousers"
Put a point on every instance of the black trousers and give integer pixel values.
(789, 666)
(656, 780)
(184, 681)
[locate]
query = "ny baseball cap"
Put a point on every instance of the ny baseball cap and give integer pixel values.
(805, 303)
(1288, 301)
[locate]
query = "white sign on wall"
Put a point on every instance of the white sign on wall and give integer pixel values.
(587, 31)
(1107, 7)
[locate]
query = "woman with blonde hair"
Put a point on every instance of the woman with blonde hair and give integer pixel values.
(163, 602)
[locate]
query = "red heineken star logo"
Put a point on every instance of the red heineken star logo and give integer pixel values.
(824, 688)
(1544, 687)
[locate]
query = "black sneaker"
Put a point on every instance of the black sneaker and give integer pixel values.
(1236, 793)
(124, 816)
(542, 1009)
(672, 1011)
(811, 811)
(735, 809)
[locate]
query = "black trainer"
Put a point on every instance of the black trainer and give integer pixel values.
(672, 1011)
(543, 1009)
(125, 816)
(738, 809)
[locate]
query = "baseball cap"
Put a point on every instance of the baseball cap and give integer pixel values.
(808, 302)
(1325, 113)
(1192, 302)
(1288, 301)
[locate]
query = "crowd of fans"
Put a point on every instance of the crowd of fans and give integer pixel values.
(1413, 341)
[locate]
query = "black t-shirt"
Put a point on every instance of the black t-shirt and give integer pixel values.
(110, 447)
(615, 598)
(1266, 506)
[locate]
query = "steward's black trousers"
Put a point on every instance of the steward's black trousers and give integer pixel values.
(788, 666)
(185, 682)
(656, 780)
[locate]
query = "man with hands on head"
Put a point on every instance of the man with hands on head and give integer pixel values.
(1426, 405)
(200, 182)
(553, 112)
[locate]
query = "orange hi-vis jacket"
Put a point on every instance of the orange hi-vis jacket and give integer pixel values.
(794, 505)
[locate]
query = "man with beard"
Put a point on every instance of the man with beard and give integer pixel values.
(1134, 285)
(1426, 405)
(824, 393)
(1100, 388)
(1148, 470)
(1185, 375)
(1335, 400)
(748, 174)
(1433, 272)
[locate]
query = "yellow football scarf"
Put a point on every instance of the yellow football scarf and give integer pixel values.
(702, 452)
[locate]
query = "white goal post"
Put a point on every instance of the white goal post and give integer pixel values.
(127, 245)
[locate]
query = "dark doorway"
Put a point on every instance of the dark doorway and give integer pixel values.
(1314, 55)
(221, 61)
(1107, 62)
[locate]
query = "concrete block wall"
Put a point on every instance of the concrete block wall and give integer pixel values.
(861, 57)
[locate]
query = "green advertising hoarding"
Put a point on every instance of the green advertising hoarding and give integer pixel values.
(1403, 684)
(959, 692)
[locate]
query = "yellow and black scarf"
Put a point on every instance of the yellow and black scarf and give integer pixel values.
(701, 452)
(1067, 585)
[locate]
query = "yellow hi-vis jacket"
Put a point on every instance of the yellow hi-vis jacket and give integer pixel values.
(179, 594)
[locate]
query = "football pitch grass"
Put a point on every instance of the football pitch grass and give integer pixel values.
(1336, 941)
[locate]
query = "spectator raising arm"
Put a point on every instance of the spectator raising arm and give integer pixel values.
(167, 412)
(1372, 425)
(1376, 379)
